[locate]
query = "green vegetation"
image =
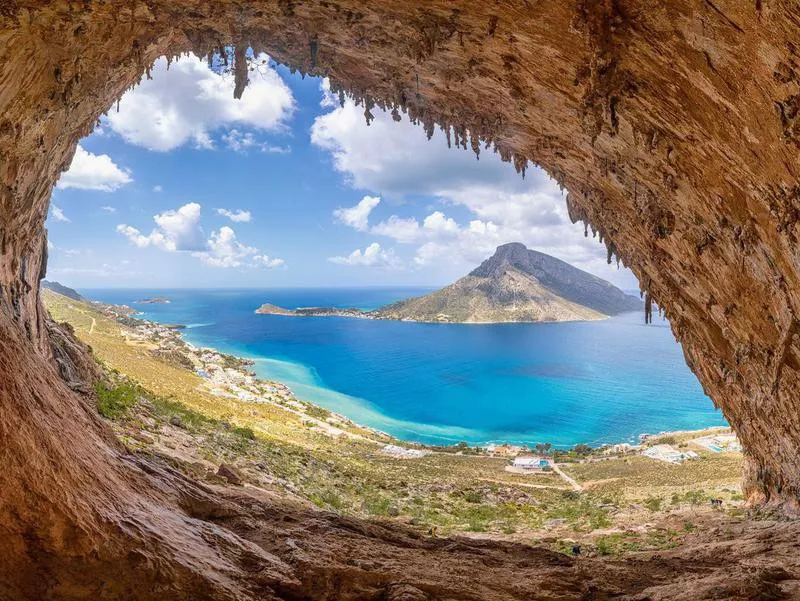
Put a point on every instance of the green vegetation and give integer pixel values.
(617, 544)
(114, 401)
(653, 503)
(318, 412)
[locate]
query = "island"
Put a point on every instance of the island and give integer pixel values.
(515, 284)
(156, 300)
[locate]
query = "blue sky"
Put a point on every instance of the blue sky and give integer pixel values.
(186, 187)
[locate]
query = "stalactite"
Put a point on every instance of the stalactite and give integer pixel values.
(648, 307)
(240, 76)
(610, 250)
(368, 104)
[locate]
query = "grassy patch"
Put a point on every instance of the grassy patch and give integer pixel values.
(114, 400)
(180, 414)
(317, 412)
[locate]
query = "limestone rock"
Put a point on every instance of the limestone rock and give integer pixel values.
(231, 474)
(673, 125)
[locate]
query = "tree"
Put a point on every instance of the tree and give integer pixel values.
(582, 449)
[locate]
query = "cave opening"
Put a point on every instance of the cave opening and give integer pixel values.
(673, 129)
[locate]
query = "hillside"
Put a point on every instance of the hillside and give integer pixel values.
(63, 290)
(518, 284)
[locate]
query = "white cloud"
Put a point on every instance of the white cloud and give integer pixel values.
(268, 262)
(238, 216)
(268, 148)
(189, 101)
(358, 215)
(58, 214)
(94, 172)
(372, 256)
(158, 188)
(177, 230)
(224, 250)
(109, 209)
(238, 141)
(400, 229)
(437, 223)
(396, 160)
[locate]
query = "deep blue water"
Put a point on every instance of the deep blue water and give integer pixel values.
(563, 383)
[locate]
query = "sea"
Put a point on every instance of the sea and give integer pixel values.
(598, 382)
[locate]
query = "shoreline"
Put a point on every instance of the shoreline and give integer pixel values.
(454, 441)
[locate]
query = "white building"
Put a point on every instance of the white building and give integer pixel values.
(668, 453)
(531, 462)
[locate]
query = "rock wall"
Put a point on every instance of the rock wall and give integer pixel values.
(674, 124)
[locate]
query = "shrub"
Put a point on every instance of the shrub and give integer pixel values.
(191, 419)
(244, 432)
(327, 498)
(473, 496)
(582, 450)
(695, 497)
(653, 503)
(317, 412)
(380, 506)
(478, 518)
(114, 400)
(664, 440)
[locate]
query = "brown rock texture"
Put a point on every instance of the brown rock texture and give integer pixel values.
(675, 126)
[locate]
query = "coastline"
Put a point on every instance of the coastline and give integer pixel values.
(448, 436)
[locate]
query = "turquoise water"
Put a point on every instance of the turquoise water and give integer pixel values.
(565, 383)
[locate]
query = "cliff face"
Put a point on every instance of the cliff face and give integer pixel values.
(675, 126)
(517, 284)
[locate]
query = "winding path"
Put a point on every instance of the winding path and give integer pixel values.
(568, 479)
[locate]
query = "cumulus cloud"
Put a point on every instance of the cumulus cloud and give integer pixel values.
(224, 250)
(358, 215)
(396, 160)
(58, 214)
(398, 228)
(177, 230)
(158, 189)
(94, 172)
(180, 230)
(268, 262)
(238, 216)
(190, 100)
(372, 256)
